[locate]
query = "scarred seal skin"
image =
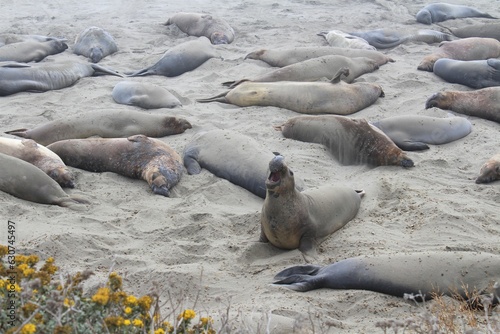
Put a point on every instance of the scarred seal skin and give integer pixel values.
(137, 157)
(291, 219)
(490, 171)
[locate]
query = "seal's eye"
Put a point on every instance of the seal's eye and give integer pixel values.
(291, 173)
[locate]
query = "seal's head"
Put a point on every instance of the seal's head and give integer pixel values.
(489, 172)
(438, 100)
(424, 16)
(63, 176)
(96, 54)
(280, 178)
(219, 38)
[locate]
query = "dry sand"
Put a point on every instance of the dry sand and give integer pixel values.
(205, 237)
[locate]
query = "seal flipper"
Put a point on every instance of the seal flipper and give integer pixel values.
(217, 98)
(101, 70)
(336, 78)
(408, 145)
(190, 160)
(298, 282)
(307, 269)
(18, 132)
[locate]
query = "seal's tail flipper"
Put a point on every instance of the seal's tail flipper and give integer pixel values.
(18, 132)
(101, 70)
(139, 73)
(300, 283)
(74, 202)
(232, 84)
(344, 71)
(218, 98)
(297, 270)
(190, 161)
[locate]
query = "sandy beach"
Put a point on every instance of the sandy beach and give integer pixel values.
(204, 238)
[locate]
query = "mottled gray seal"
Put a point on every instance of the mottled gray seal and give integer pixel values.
(291, 219)
(247, 167)
(315, 69)
(181, 58)
(420, 275)
(287, 56)
(195, 24)
(340, 39)
(473, 48)
(39, 156)
(137, 157)
(481, 103)
(25, 52)
(106, 124)
(144, 95)
(389, 38)
(472, 73)
(490, 171)
(335, 97)
(438, 12)
(42, 77)
(351, 141)
(23, 180)
(414, 132)
(16, 38)
(489, 30)
(95, 43)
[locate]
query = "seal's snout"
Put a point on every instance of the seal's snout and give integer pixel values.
(277, 164)
(432, 101)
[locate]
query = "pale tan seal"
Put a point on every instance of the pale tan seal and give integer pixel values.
(482, 103)
(472, 48)
(95, 43)
(287, 56)
(16, 38)
(315, 69)
(351, 141)
(25, 52)
(196, 24)
(334, 97)
(137, 157)
(340, 39)
(39, 156)
(490, 171)
(106, 124)
(23, 180)
(291, 219)
(144, 95)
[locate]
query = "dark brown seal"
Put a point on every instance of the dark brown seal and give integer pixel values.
(490, 171)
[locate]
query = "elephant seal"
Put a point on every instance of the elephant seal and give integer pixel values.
(94, 43)
(16, 38)
(180, 59)
(247, 168)
(438, 12)
(490, 171)
(420, 275)
(144, 95)
(389, 38)
(472, 73)
(137, 157)
(23, 180)
(473, 48)
(414, 132)
(334, 97)
(481, 103)
(351, 141)
(341, 39)
(25, 52)
(108, 124)
(215, 29)
(488, 30)
(316, 69)
(42, 77)
(39, 156)
(291, 219)
(287, 56)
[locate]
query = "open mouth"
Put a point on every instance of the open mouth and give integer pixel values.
(274, 179)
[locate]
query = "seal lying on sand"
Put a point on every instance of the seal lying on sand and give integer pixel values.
(39, 156)
(490, 171)
(247, 166)
(421, 275)
(473, 48)
(481, 103)
(194, 24)
(291, 219)
(315, 69)
(489, 30)
(23, 180)
(138, 157)
(389, 38)
(438, 12)
(287, 56)
(16, 38)
(341, 39)
(472, 73)
(334, 97)
(106, 124)
(42, 77)
(351, 141)
(25, 52)
(414, 132)
(144, 95)
(180, 59)
(95, 43)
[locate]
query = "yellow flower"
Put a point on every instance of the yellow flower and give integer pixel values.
(115, 281)
(28, 329)
(137, 323)
(32, 260)
(187, 315)
(21, 258)
(17, 288)
(28, 272)
(128, 310)
(22, 266)
(68, 302)
(159, 331)
(145, 302)
(131, 300)
(2, 283)
(206, 321)
(101, 297)
(3, 250)
(114, 321)
(126, 322)
(50, 260)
